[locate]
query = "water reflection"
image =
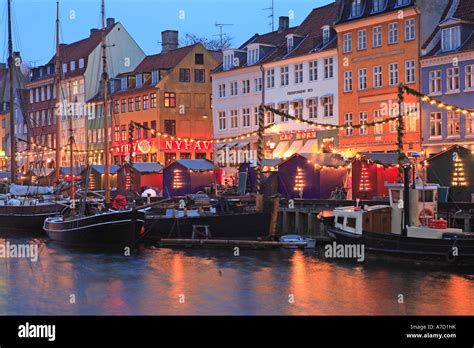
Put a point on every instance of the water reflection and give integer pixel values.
(191, 281)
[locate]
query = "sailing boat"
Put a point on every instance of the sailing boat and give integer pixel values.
(111, 228)
(22, 210)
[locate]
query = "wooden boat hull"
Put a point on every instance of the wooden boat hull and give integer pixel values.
(26, 219)
(439, 249)
(114, 229)
(231, 226)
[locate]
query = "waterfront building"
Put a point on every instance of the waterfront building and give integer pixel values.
(81, 74)
(448, 76)
(170, 94)
(296, 69)
(21, 76)
(379, 47)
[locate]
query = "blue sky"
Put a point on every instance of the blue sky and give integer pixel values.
(34, 20)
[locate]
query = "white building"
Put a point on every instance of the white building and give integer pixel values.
(296, 69)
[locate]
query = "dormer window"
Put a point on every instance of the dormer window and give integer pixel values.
(73, 65)
(81, 63)
(377, 5)
(402, 2)
(64, 68)
(326, 34)
(139, 79)
(228, 61)
(451, 39)
(356, 8)
(252, 56)
(155, 77)
(124, 83)
(290, 42)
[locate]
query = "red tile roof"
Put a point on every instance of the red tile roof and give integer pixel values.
(465, 10)
(166, 60)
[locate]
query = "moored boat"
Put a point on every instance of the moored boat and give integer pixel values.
(302, 242)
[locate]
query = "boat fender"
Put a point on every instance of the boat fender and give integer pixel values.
(425, 215)
(451, 258)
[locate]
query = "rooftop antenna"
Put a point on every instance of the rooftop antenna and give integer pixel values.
(272, 14)
(221, 30)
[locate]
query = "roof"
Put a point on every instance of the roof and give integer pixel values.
(386, 158)
(448, 150)
(101, 168)
(455, 10)
(148, 167)
(67, 170)
(323, 159)
(367, 9)
(197, 164)
(310, 30)
(167, 60)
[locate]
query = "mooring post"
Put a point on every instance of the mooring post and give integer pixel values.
(274, 217)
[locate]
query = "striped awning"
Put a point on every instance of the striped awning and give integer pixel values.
(280, 149)
(294, 148)
(311, 146)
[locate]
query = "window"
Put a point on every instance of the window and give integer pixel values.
(356, 8)
(49, 117)
(234, 119)
(184, 75)
(348, 122)
(313, 70)
(377, 36)
(271, 78)
(363, 119)
(347, 81)
(469, 76)
(170, 100)
(393, 33)
(138, 103)
(199, 58)
(256, 115)
(64, 68)
(233, 88)
(37, 95)
(435, 81)
(283, 107)
(130, 104)
(269, 117)
(362, 79)
(469, 124)
(347, 43)
(170, 127)
(454, 124)
(326, 34)
(290, 43)
(362, 39)
(297, 109)
(199, 76)
(32, 96)
(73, 66)
(116, 106)
(124, 105)
(245, 86)
(393, 74)
(328, 106)
(81, 63)
(298, 73)
(146, 104)
(48, 92)
(435, 124)
(378, 79)
(222, 120)
(452, 79)
(313, 107)
(252, 57)
(378, 117)
(402, 2)
(328, 68)
(153, 100)
(451, 39)
(222, 91)
(43, 94)
(75, 88)
(155, 77)
(228, 61)
(246, 117)
(410, 29)
(377, 5)
(258, 84)
(284, 76)
(410, 71)
(124, 132)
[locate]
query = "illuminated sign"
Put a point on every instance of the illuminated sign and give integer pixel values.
(298, 136)
(184, 145)
(141, 147)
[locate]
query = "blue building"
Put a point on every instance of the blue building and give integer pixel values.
(447, 72)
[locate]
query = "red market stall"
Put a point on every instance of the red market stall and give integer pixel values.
(184, 177)
(142, 175)
(370, 173)
(95, 176)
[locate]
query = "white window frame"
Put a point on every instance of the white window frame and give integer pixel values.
(453, 124)
(222, 120)
(270, 78)
(452, 79)
(313, 70)
(298, 73)
(284, 75)
(362, 39)
(362, 79)
(377, 36)
(348, 119)
(469, 77)
(435, 83)
(437, 122)
(363, 119)
(393, 74)
(328, 68)
(393, 33)
(410, 32)
(378, 76)
(347, 43)
(410, 71)
(347, 81)
(450, 38)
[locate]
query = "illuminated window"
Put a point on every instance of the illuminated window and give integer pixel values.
(170, 100)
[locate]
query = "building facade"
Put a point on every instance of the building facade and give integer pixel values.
(448, 76)
(379, 48)
(169, 93)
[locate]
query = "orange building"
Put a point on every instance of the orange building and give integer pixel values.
(171, 93)
(378, 49)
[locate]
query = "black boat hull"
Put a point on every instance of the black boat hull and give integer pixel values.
(19, 220)
(117, 229)
(439, 249)
(232, 226)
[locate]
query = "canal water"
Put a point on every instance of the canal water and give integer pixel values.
(216, 282)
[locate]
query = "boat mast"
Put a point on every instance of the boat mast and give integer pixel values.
(58, 89)
(105, 79)
(11, 66)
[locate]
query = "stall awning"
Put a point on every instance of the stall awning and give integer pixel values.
(294, 148)
(280, 149)
(311, 146)
(242, 145)
(220, 146)
(231, 145)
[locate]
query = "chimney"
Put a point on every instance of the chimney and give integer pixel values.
(110, 22)
(93, 30)
(16, 54)
(169, 40)
(283, 23)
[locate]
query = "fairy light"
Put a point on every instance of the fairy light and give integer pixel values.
(459, 178)
(300, 182)
(364, 184)
(178, 180)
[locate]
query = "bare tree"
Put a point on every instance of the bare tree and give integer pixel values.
(211, 44)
